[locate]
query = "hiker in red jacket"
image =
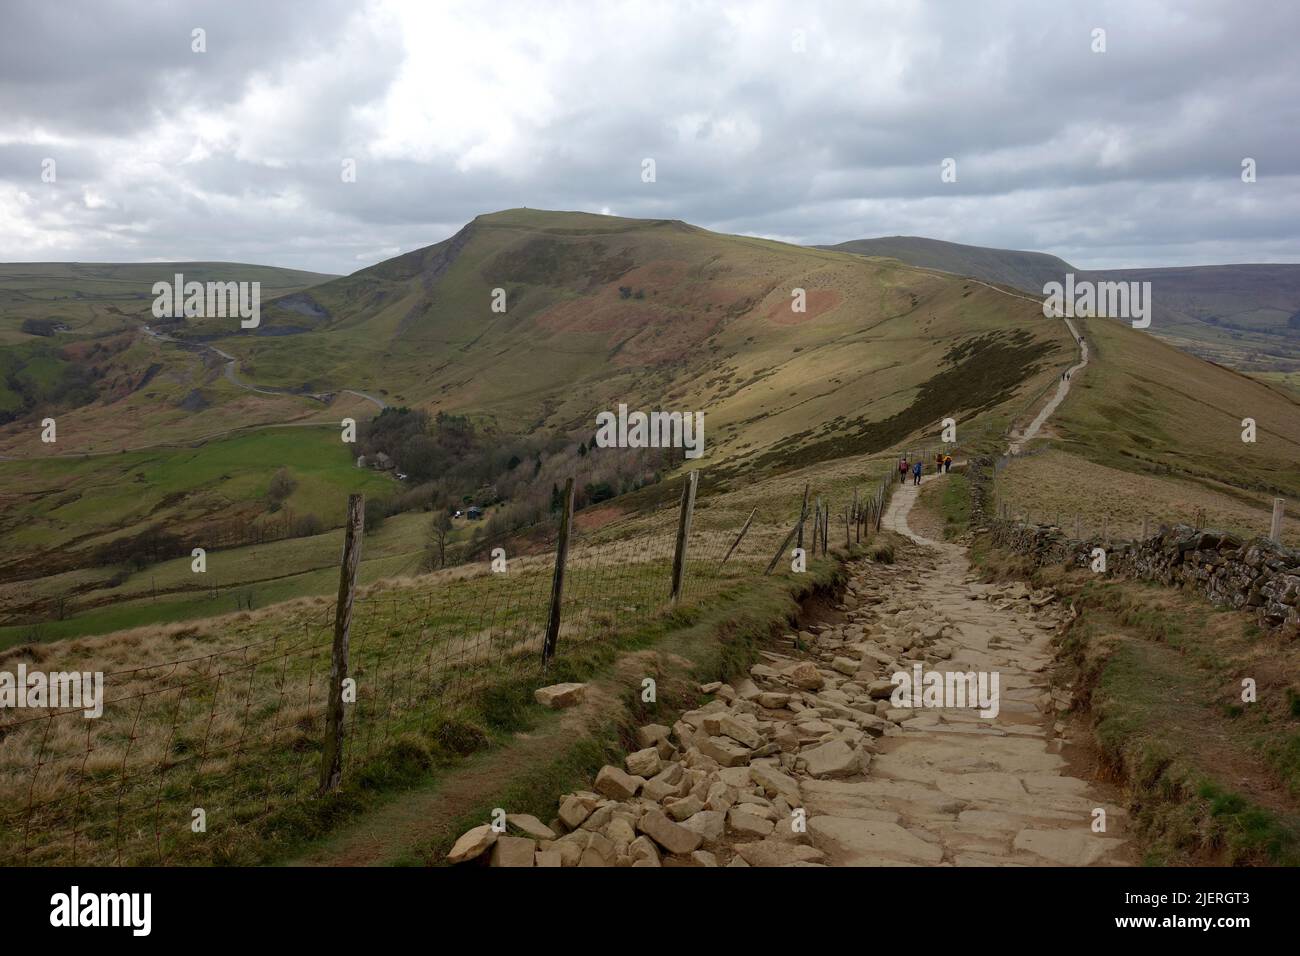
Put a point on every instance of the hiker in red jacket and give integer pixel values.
(902, 469)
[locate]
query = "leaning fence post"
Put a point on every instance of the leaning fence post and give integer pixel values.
(735, 543)
(781, 548)
(1275, 532)
(331, 764)
(683, 532)
(557, 580)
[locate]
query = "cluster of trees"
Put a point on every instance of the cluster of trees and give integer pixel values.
(451, 464)
(281, 487)
(421, 448)
(155, 544)
(40, 376)
(597, 478)
(42, 327)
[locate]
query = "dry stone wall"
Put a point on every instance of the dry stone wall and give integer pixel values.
(1258, 576)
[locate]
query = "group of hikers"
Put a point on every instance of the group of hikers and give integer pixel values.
(942, 464)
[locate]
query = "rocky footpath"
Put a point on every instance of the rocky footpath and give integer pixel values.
(807, 762)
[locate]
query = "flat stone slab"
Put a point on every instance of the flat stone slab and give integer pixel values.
(871, 842)
(1079, 847)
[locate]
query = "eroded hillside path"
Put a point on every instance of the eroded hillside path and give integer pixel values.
(986, 791)
(807, 760)
(1062, 390)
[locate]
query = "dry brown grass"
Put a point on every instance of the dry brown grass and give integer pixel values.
(1056, 483)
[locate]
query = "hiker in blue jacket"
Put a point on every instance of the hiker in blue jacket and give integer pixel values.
(916, 473)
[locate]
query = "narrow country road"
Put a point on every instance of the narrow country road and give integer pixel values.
(231, 374)
(232, 371)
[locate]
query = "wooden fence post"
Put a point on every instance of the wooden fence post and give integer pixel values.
(848, 532)
(331, 764)
(781, 548)
(803, 513)
(1275, 532)
(683, 533)
(817, 526)
(557, 579)
(735, 543)
(826, 521)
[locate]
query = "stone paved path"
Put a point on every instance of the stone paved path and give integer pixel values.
(808, 762)
(953, 786)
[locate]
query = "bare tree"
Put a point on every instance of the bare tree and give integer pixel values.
(439, 530)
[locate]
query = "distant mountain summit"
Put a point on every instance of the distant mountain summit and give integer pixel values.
(1243, 316)
(1013, 267)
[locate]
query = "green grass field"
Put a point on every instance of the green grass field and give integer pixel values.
(61, 503)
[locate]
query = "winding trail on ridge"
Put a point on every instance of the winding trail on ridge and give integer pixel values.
(1062, 390)
(976, 790)
(1005, 779)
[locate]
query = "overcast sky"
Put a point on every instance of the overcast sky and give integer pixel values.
(1124, 158)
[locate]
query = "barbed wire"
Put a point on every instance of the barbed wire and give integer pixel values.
(234, 737)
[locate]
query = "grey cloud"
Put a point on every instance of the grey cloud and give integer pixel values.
(1131, 157)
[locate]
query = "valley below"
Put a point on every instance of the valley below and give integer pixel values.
(182, 535)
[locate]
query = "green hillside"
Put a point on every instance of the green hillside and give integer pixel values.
(90, 297)
(656, 313)
(600, 311)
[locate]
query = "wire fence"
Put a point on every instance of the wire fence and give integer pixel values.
(193, 757)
